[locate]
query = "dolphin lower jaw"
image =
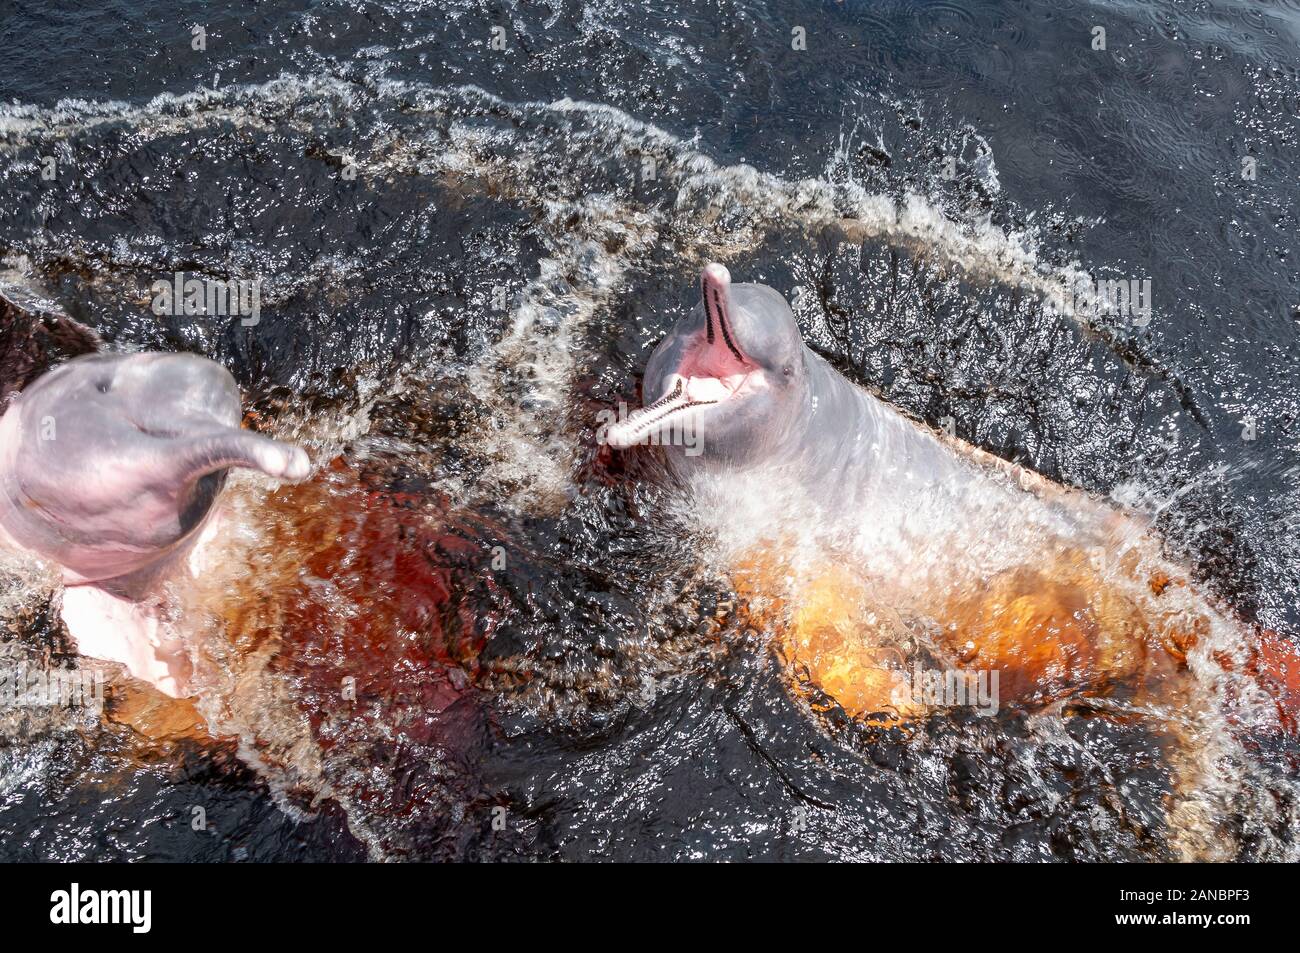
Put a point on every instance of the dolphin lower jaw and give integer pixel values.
(651, 423)
(127, 619)
(690, 405)
(134, 633)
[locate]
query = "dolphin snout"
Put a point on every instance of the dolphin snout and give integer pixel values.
(715, 274)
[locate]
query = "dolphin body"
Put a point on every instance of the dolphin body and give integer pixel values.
(1056, 589)
(110, 466)
(736, 371)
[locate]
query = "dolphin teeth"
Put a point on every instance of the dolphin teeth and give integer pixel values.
(642, 423)
(672, 395)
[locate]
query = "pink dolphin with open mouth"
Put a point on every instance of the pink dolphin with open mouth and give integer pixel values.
(109, 468)
(1071, 593)
(736, 370)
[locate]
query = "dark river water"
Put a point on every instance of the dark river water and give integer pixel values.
(467, 253)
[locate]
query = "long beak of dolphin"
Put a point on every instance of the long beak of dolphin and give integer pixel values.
(713, 369)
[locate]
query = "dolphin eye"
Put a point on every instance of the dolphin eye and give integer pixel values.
(788, 371)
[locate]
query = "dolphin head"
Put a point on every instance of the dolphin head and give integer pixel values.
(728, 383)
(109, 464)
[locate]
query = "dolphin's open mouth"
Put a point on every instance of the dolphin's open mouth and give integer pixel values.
(714, 371)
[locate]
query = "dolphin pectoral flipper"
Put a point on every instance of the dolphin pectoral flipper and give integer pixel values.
(110, 467)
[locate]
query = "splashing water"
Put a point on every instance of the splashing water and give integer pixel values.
(442, 337)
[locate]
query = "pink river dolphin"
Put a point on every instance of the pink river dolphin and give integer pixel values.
(1059, 592)
(109, 468)
(757, 396)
